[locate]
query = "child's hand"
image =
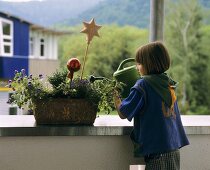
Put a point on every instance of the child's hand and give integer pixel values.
(116, 94)
(117, 99)
(119, 86)
(117, 102)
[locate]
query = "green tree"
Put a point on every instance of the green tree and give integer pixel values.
(105, 53)
(189, 63)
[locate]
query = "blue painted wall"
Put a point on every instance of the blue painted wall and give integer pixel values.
(8, 65)
(21, 38)
(20, 49)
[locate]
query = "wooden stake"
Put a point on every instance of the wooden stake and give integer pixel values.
(84, 60)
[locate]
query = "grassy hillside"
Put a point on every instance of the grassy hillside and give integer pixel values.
(73, 12)
(121, 12)
(126, 12)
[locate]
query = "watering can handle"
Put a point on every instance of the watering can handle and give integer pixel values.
(125, 62)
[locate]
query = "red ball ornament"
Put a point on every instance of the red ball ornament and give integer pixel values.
(73, 64)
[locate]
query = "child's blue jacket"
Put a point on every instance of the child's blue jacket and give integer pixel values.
(153, 131)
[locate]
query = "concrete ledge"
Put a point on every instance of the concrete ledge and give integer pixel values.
(25, 125)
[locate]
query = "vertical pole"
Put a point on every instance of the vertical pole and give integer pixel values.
(156, 20)
(84, 60)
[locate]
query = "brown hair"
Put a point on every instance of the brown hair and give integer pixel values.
(154, 57)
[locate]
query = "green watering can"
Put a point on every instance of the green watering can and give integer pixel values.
(126, 75)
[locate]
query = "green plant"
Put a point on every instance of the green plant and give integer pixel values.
(29, 89)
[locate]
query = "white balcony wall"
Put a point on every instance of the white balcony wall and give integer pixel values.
(105, 149)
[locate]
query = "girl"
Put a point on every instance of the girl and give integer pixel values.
(158, 131)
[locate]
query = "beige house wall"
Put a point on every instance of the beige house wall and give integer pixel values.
(43, 66)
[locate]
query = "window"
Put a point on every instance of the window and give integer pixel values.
(6, 37)
(42, 47)
(31, 52)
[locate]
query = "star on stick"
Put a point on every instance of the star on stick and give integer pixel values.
(91, 29)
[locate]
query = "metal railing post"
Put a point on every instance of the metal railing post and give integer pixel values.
(156, 20)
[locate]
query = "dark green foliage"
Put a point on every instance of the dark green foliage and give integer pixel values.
(199, 81)
(189, 59)
(57, 78)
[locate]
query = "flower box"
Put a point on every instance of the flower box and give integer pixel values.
(59, 100)
(65, 111)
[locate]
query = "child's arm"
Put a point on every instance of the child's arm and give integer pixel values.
(117, 102)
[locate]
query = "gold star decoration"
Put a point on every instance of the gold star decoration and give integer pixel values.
(91, 29)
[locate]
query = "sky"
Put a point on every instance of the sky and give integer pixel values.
(20, 0)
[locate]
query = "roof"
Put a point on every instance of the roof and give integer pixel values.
(35, 26)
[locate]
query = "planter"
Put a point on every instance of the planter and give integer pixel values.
(65, 111)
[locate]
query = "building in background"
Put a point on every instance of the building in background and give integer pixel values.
(26, 45)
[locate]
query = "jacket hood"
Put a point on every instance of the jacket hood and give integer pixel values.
(164, 86)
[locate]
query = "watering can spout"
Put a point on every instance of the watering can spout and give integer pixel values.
(127, 75)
